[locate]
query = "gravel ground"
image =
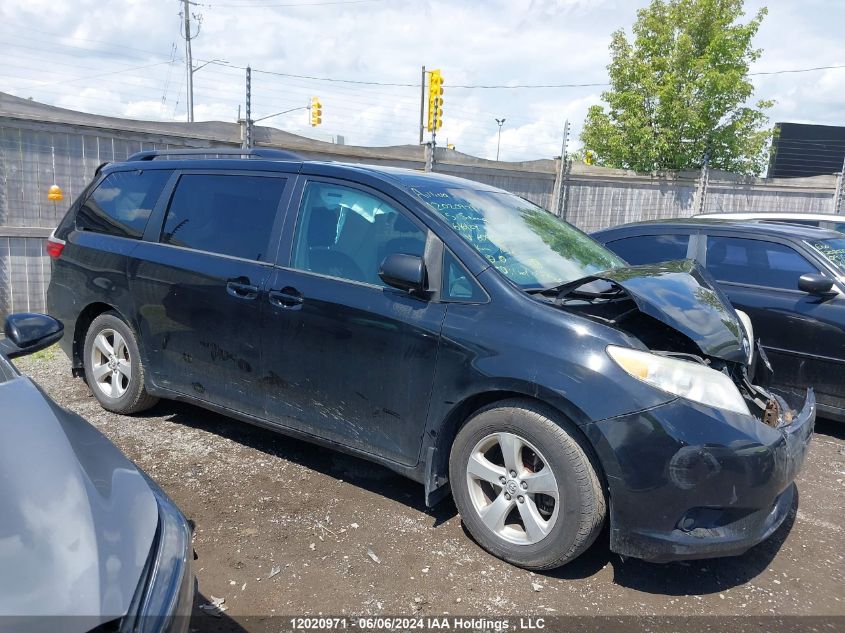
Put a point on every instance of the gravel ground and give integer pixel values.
(261, 500)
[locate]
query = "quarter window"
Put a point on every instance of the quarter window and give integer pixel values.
(225, 214)
(458, 283)
(649, 249)
(346, 233)
(756, 262)
(121, 204)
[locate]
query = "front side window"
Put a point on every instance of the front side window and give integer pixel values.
(530, 246)
(650, 249)
(756, 262)
(346, 233)
(832, 250)
(224, 214)
(122, 203)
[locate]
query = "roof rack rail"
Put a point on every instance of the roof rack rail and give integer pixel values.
(253, 152)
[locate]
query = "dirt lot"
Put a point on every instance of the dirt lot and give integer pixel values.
(261, 500)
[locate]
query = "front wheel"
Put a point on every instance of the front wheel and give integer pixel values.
(113, 367)
(525, 488)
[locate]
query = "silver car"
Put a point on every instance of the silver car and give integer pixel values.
(86, 538)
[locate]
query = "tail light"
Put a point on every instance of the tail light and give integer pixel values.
(55, 246)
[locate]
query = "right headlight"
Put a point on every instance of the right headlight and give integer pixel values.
(681, 378)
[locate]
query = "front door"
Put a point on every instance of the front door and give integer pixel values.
(346, 358)
(802, 333)
(199, 285)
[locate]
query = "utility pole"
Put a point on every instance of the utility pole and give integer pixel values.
(431, 159)
(435, 113)
(563, 170)
(703, 181)
(247, 142)
(422, 105)
(189, 61)
(840, 190)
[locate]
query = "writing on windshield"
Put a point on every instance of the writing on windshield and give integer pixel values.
(527, 244)
(833, 250)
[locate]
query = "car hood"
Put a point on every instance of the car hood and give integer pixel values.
(77, 518)
(684, 297)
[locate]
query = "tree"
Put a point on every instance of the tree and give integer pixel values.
(680, 91)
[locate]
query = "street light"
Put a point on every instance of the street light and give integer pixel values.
(194, 69)
(501, 122)
(269, 116)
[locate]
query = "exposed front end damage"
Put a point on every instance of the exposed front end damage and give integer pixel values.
(675, 310)
(688, 480)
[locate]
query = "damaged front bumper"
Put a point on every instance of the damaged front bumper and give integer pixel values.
(689, 481)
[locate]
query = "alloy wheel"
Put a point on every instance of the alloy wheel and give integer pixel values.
(111, 363)
(513, 488)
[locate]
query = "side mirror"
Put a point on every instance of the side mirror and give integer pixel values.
(28, 333)
(405, 272)
(815, 284)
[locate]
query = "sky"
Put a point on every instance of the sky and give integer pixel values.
(127, 58)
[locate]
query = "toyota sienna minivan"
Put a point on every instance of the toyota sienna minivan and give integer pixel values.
(452, 331)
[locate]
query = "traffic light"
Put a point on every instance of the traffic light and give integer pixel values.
(316, 112)
(435, 101)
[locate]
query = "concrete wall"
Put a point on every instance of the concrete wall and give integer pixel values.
(41, 145)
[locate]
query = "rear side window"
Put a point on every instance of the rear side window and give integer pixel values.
(649, 249)
(225, 214)
(756, 262)
(121, 204)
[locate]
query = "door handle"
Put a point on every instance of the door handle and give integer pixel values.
(289, 298)
(241, 290)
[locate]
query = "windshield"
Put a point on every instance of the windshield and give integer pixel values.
(527, 244)
(833, 250)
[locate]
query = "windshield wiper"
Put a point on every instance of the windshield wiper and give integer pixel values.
(572, 288)
(542, 291)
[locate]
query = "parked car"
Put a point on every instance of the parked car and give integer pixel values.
(819, 220)
(789, 279)
(453, 332)
(87, 541)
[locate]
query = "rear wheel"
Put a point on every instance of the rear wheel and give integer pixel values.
(524, 485)
(113, 367)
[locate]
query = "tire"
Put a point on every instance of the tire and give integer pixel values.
(546, 522)
(120, 386)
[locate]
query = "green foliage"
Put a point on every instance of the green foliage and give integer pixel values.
(681, 90)
(45, 354)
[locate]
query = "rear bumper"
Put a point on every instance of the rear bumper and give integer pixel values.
(688, 481)
(62, 305)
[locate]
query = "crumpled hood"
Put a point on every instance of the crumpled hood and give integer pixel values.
(684, 297)
(77, 518)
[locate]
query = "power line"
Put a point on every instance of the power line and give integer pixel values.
(513, 86)
(113, 72)
(797, 70)
(416, 85)
(288, 5)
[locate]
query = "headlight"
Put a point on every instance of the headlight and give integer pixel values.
(681, 378)
(165, 592)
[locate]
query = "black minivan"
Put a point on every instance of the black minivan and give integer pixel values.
(451, 331)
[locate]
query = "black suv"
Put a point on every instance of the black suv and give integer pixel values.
(452, 331)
